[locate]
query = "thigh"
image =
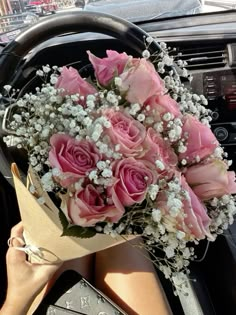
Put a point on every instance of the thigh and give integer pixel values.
(126, 274)
(83, 265)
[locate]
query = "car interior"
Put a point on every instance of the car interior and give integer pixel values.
(207, 42)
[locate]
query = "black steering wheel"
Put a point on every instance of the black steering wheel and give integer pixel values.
(12, 56)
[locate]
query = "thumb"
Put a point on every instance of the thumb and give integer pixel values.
(14, 255)
(51, 268)
(16, 240)
(47, 270)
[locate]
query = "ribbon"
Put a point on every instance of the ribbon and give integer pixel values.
(30, 250)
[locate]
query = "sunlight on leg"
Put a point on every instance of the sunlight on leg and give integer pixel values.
(125, 275)
(83, 265)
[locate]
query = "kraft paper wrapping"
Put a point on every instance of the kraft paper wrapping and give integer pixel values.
(43, 229)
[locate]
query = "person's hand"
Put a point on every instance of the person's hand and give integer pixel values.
(25, 279)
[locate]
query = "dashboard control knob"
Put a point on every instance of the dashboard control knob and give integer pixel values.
(221, 133)
(215, 115)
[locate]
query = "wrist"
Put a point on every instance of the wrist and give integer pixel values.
(16, 306)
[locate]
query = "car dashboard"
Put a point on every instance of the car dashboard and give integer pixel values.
(208, 44)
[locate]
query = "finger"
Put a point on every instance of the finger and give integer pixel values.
(15, 256)
(16, 241)
(16, 238)
(50, 269)
(17, 230)
(47, 270)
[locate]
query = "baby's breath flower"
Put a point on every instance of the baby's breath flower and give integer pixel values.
(7, 88)
(90, 103)
(33, 160)
(38, 127)
(141, 117)
(168, 60)
(56, 172)
(112, 98)
(156, 215)
(117, 147)
(180, 235)
(17, 118)
(149, 39)
(47, 181)
(99, 229)
(93, 175)
(160, 165)
(146, 54)
(149, 120)
(107, 123)
(167, 271)
(97, 132)
(101, 165)
(218, 152)
(40, 73)
(134, 108)
(169, 252)
(53, 79)
(159, 127)
(107, 172)
(46, 69)
(118, 81)
(182, 148)
(153, 191)
(21, 103)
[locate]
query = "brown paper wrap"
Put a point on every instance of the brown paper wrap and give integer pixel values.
(43, 229)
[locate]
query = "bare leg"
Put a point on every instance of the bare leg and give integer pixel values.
(84, 266)
(129, 279)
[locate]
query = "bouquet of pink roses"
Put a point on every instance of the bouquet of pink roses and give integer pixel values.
(130, 153)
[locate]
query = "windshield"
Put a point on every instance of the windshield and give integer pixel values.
(15, 15)
(140, 10)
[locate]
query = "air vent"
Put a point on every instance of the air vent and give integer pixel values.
(202, 57)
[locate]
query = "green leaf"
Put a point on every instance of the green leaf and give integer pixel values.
(79, 231)
(63, 219)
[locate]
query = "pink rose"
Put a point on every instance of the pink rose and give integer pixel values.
(72, 83)
(133, 177)
(106, 68)
(211, 180)
(160, 105)
(140, 82)
(196, 218)
(158, 149)
(192, 218)
(73, 158)
(201, 142)
(88, 207)
(126, 132)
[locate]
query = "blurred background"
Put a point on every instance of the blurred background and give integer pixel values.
(15, 15)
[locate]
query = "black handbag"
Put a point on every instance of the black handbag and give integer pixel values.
(72, 294)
